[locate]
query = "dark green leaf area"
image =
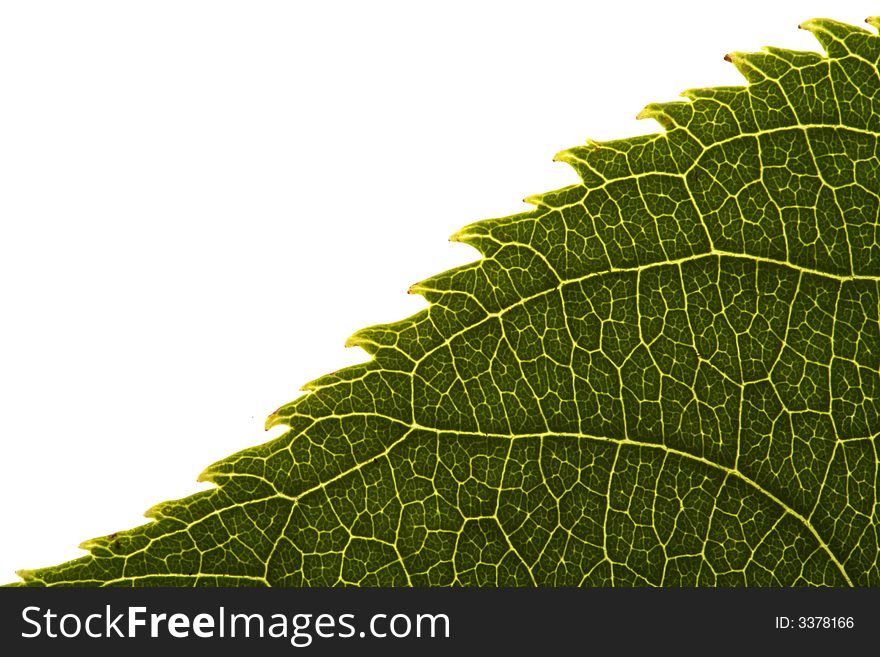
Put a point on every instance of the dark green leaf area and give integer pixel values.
(666, 375)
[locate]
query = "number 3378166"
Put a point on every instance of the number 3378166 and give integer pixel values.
(825, 622)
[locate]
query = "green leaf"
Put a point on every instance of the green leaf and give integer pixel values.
(668, 374)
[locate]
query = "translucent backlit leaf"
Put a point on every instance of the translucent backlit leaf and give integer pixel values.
(668, 374)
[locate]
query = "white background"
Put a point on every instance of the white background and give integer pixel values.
(200, 201)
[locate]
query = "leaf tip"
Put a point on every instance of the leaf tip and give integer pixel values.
(26, 575)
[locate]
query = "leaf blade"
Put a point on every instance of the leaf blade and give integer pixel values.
(593, 320)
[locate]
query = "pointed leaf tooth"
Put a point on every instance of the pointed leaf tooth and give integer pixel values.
(460, 235)
(535, 199)
(773, 63)
(364, 340)
(92, 543)
(278, 417)
(669, 115)
(429, 288)
(220, 471)
(154, 511)
(473, 235)
(568, 156)
(331, 378)
(841, 39)
(315, 384)
(584, 159)
(745, 64)
(578, 153)
(207, 475)
(837, 29)
(873, 21)
(578, 159)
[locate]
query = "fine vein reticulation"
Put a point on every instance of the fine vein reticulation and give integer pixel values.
(667, 375)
